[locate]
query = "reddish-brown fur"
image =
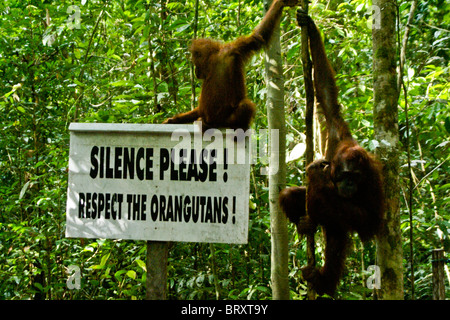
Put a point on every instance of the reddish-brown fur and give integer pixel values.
(223, 100)
(324, 208)
(345, 191)
(292, 202)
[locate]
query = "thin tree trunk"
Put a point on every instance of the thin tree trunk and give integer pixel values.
(214, 270)
(400, 85)
(309, 122)
(389, 243)
(277, 166)
(157, 257)
(193, 105)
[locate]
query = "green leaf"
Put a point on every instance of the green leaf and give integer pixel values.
(102, 262)
(131, 274)
(122, 83)
(78, 82)
(77, 53)
(118, 274)
(39, 286)
(24, 189)
(21, 109)
(141, 264)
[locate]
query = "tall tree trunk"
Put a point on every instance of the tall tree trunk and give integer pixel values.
(389, 243)
(309, 123)
(195, 26)
(277, 166)
(401, 85)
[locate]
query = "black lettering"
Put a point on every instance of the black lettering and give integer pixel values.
(88, 205)
(164, 164)
(195, 208)
(225, 159)
(162, 208)
(139, 171)
(129, 201)
(173, 172)
(143, 207)
(225, 210)
(202, 204)
(136, 206)
(94, 206)
(118, 163)
(120, 200)
(187, 209)
(128, 163)
(107, 206)
(102, 160)
(217, 210)
(148, 163)
(213, 165)
(94, 161)
(203, 173)
(154, 207)
(117, 198)
(101, 203)
(113, 202)
(109, 170)
(169, 211)
(192, 168)
(81, 205)
(182, 166)
(178, 214)
(208, 214)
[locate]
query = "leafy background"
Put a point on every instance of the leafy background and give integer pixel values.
(127, 61)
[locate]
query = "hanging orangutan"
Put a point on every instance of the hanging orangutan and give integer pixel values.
(345, 192)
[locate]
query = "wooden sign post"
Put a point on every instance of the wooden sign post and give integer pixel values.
(158, 183)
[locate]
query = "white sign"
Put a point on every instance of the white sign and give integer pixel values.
(157, 182)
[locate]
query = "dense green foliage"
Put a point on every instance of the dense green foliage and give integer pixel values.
(127, 61)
